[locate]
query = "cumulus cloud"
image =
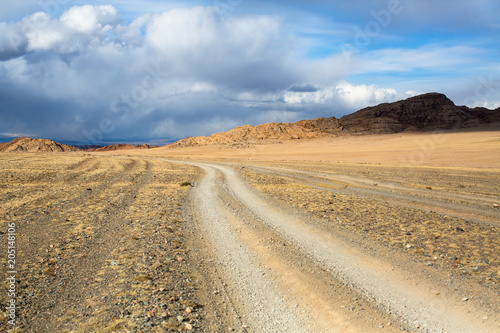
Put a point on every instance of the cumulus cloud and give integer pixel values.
(183, 65)
(245, 51)
(90, 75)
(89, 19)
(12, 41)
(76, 29)
(344, 93)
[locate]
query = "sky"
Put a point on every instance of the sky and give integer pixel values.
(105, 71)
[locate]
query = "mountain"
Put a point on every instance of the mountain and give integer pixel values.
(267, 132)
(35, 145)
(121, 146)
(426, 112)
(88, 147)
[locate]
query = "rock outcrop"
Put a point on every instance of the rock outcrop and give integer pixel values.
(25, 144)
(421, 113)
(304, 129)
(426, 112)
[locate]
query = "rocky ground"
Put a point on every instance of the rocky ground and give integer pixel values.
(284, 266)
(127, 243)
(461, 246)
(101, 244)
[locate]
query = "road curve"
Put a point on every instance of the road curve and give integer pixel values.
(230, 214)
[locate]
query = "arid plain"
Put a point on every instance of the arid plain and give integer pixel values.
(396, 232)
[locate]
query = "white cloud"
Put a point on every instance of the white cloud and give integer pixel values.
(76, 29)
(197, 41)
(46, 36)
(89, 19)
(492, 105)
(203, 87)
(186, 71)
(345, 93)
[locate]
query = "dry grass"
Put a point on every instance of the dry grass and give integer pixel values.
(458, 245)
(98, 242)
(102, 242)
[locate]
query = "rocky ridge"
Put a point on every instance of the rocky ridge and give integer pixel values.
(426, 112)
(25, 144)
(271, 131)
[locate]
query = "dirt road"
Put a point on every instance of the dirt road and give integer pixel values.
(123, 243)
(276, 271)
(477, 207)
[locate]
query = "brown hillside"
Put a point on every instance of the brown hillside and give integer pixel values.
(267, 132)
(35, 145)
(420, 113)
(122, 146)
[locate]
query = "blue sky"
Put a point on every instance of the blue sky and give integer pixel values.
(149, 71)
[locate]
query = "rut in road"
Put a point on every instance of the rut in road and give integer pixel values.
(267, 307)
(478, 208)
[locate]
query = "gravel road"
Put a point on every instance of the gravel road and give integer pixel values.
(283, 285)
(477, 207)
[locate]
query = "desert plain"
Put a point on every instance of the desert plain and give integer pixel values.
(373, 233)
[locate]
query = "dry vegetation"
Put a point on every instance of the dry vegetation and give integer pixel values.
(101, 243)
(460, 246)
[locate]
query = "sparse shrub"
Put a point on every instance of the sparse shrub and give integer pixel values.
(142, 278)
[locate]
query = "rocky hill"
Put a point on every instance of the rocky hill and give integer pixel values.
(421, 113)
(121, 146)
(266, 132)
(426, 112)
(35, 145)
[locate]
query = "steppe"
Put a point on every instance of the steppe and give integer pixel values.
(374, 233)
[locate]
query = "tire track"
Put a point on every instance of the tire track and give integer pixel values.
(264, 308)
(93, 251)
(409, 297)
(439, 202)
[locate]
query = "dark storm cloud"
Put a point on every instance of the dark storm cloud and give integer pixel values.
(87, 74)
(303, 88)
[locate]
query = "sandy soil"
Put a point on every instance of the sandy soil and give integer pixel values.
(449, 149)
(379, 233)
(417, 296)
(100, 244)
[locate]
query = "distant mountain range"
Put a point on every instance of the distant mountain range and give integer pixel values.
(426, 112)
(121, 146)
